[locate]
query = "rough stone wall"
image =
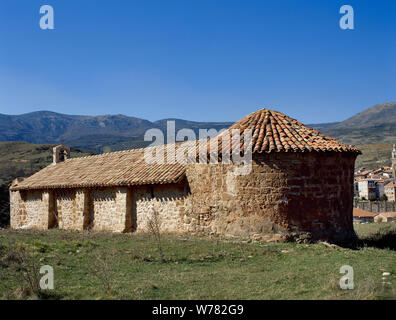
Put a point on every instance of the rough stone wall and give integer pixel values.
(287, 194)
(83, 202)
(167, 200)
(35, 209)
(31, 209)
(17, 210)
(66, 208)
(111, 209)
(72, 209)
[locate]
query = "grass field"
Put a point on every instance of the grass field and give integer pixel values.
(91, 265)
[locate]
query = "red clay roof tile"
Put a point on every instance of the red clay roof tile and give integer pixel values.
(362, 213)
(272, 131)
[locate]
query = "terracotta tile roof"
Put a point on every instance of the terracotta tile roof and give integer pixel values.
(391, 185)
(272, 132)
(108, 169)
(362, 213)
(275, 132)
(365, 172)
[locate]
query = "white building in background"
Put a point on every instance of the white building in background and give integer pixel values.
(367, 189)
(390, 191)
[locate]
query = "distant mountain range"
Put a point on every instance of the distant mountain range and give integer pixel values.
(380, 114)
(88, 132)
(116, 132)
(374, 125)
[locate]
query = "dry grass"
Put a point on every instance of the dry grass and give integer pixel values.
(90, 265)
(154, 227)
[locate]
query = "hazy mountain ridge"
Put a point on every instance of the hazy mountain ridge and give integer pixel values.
(51, 127)
(86, 132)
(374, 125)
(377, 115)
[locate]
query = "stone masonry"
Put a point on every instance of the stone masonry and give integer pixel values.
(300, 187)
(285, 195)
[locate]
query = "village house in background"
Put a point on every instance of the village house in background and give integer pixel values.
(367, 189)
(300, 186)
(385, 217)
(362, 216)
(379, 184)
(390, 191)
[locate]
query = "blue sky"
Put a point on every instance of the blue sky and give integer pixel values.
(204, 60)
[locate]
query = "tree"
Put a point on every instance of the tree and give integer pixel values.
(372, 197)
(384, 197)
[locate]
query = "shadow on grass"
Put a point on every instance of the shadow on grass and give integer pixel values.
(385, 238)
(49, 295)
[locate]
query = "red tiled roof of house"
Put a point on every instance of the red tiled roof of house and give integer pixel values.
(365, 172)
(273, 131)
(391, 184)
(362, 213)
